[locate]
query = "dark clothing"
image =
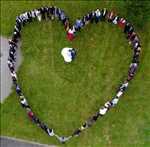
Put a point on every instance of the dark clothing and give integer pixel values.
(104, 14)
(132, 69)
(11, 43)
(18, 90)
(128, 28)
(42, 11)
(73, 53)
(12, 50)
(15, 37)
(11, 55)
(35, 119)
(77, 132)
(29, 16)
(92, 16)
(87, 17)
(44, 126)
(95, 117)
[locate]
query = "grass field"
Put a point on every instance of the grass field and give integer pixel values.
(65, 95)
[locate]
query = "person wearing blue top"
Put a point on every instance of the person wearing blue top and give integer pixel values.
(78, 24)
(73, 53)
(18, 90)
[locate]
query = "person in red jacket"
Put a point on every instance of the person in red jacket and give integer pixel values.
(121, 23)
(71, 34)
(30, 114)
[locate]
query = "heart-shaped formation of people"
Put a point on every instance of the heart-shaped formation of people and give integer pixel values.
(95, 16)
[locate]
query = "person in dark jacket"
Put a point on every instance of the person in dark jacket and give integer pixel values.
(63, 17)
(18, 90)
(128, 29)
(29, 16)
(11, 65)
(76, 132)
(92, 16)
(42, 11)
(132, 71)
(12, 55)
(52, 12)
(95, 116)
(104, 13)
(87, 18)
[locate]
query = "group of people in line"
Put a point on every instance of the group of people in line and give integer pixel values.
(109, 16)
(50, 13)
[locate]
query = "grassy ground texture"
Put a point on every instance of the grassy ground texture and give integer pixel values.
(65, 95)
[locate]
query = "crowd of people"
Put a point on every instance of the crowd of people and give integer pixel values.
(95, 16)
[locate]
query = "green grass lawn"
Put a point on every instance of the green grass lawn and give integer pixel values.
(65, 95)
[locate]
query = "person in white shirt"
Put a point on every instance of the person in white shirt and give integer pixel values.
(108, 104)
(33, 14)
(50, 132)
(84, 126)
(103, 110)
(68, 54)
(97, 15)
(114, 101)
(123, 86)
(24, 102)
(119, 93)
(115, 20)
(25, 15)
(13, 74)
(38, 14)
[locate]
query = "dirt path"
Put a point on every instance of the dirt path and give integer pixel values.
(6, 82)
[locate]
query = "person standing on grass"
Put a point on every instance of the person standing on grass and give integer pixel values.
(63, 17)
(78, 24)
(115, 20)
(50, 132)
(42, 12)
(92, 16)
(104, 13)
(18, 90)
(97, 15)
(114, 101)
(24, 102)
(121, 23)
(38, 15)
(71, 34)
(132, 71)
(87, 18)
(110, 16)
(76, 132)
(103, 110)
